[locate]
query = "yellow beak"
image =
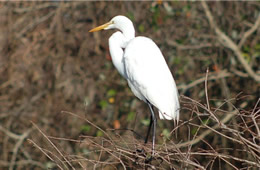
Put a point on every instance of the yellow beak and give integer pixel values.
(101, 27)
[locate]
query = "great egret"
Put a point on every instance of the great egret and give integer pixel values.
(141, 63)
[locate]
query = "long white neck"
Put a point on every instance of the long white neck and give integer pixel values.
(126, 27)
(118, 41)
(116, 44)
(128, 31)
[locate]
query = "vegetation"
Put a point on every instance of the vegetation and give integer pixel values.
(64, 106)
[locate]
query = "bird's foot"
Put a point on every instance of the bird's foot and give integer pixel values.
(148, 158)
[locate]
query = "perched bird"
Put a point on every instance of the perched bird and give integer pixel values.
(141, 63)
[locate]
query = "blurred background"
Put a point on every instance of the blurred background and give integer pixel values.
(59, 77)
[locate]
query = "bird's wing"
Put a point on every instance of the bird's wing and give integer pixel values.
(149, 76)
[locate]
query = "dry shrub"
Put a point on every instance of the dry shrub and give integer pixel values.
(215, 139)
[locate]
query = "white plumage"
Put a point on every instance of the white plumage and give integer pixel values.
(141, 63)
(150, 78)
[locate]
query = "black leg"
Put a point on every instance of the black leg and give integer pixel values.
(149, 129)
(154, 122)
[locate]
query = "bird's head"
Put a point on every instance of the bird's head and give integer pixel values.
(118, 22)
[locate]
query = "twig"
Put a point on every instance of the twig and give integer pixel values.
(206, 88)
(249, 32)
(253, 116)
(219, 75)
(17, 146)
(45, 153)
(207, 132)
(35, 23)
(33, 8)
(10, 134)
(189, 47)
(227, 42)
(227, 156)
(88, 122)
(54, 146)
(22, 163)
(238, 73)
(30, 102)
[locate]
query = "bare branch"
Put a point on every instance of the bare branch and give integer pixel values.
(23, 163)
(250, 32)
(189, 47)
(206, 88)
(17, 146)
(10, 134)
(227, 42)
(215, 76)
(207, 132)
(54, 146)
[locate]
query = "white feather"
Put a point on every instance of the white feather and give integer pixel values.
(149, 77)
(140, 61)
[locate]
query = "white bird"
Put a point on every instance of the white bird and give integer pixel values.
(141, 63)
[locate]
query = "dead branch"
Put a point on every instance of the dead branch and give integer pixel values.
(54, 146)
(17, 146)
(34, 24)
(33, 8)
(189, 47)
(207, 132)
(10, 134)
(229, 157)
(214, 76)
(227, 42)
(23, 163)
(206, 88)
(249, 32)
(45, 153)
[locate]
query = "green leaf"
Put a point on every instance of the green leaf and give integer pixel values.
(131, 16)
(130, 116)
(85, 128)
(99, 133)
(246, 49)
(103, 104)
(176, 60)
(141, 28)
(205, 121)
(247, 57)
(179, 41)
(111, 93)
(193, 131)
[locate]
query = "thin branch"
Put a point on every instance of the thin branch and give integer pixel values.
(34, 24)
(189, 47)
(249, 32)
(34, 8)
(23, 163)
(10, 134)
(206, 88)
(54, 146)
(45, 153)
(216, 76)
(207, 132)
(17, 146)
